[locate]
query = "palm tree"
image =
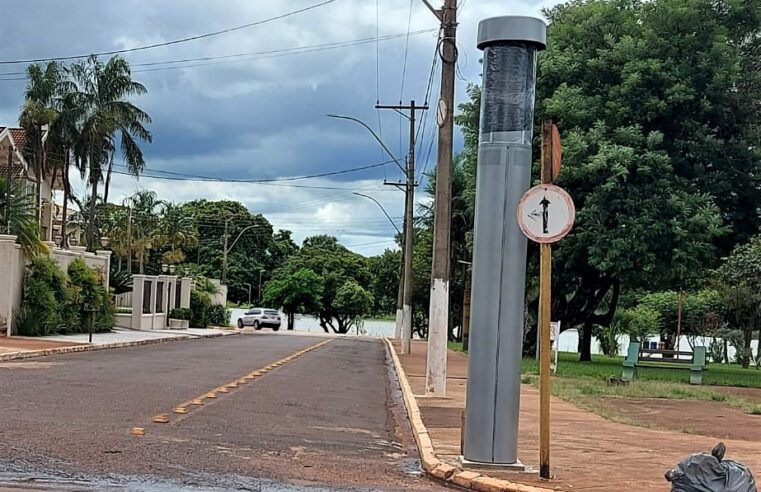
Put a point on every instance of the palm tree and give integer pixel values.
(62, 138)
(101, 96)
(38, 112)
(176, 231)
(23, 217)
(146, 214)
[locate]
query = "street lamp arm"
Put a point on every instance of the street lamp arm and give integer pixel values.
(239, 235)
(437, 13)
(383, 209)
(341, 117)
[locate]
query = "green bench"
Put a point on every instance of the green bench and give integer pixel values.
(637, 357)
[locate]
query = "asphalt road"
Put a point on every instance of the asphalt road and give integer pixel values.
(329, 418)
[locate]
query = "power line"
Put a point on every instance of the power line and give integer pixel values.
(231, 180)
(176, 41)
(406, 49)
(275, 180)
(251, 56)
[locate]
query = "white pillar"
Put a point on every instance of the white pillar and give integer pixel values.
(187, 286)
(106, 255)
(138, 288)
(7, 281)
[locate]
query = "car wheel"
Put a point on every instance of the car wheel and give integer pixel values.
(240, 323)
(256, 326)
(275, 328)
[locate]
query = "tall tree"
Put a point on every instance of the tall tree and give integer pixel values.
(106, 115)
(344, 274)
(147, 209)
(38, 113)
(656, 148)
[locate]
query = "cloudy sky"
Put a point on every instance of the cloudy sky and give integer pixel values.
(262, 115)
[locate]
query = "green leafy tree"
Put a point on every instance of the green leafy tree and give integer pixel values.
(299, 292)
(353, 302)
(738, 281)
(336, 266)
(384, 269)
(655, 134)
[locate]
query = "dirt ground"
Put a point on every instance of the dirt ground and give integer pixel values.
(19, 344)
(698, 417)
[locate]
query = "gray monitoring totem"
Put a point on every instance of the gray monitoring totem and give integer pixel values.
(510, 47)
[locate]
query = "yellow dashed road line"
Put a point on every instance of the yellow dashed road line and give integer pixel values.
(223, 390)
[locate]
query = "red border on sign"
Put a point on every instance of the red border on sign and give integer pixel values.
(520, 215)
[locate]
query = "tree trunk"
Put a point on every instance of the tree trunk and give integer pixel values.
(291, 323)
(66, 192)
(91, 220)
(747, 338)
(108, 181)
(585, 352)
(726, 351)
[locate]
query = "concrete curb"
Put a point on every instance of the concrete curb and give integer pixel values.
(431, 464)
(87, 348)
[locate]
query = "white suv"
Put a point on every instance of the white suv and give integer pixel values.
(260, 318)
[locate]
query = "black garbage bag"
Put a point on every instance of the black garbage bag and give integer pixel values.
(710, 473)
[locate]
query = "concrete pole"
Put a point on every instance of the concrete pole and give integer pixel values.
(510, 47)
(409, 232)
(438, 313)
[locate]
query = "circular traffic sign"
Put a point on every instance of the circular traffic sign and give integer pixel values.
(546, 213)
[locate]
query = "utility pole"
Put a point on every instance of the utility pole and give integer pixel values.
(409, 205)
(129, 240)
(223, 280)
(8, 177)
(438, 317)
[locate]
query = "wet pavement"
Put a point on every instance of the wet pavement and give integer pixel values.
(329, 418)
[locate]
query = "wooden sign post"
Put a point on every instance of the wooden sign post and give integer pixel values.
(545, 215)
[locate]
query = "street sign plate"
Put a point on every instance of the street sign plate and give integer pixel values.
(546, 213)
(442, 111)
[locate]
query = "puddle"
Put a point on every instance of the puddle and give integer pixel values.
(122, 483)
(411, 467)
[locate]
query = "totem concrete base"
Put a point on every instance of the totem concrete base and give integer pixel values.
(517, 467)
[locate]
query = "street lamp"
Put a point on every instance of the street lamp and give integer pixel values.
(510, 46)
(172, 269)
(249, 293)
(164, 267)
(375, 136)
(58, 240)
(260, 286)
(104, 241)
(382, 209)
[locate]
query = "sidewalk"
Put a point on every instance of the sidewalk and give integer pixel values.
(26, 347)
(589, 452)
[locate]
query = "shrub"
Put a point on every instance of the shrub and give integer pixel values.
(45, 297)
(89, 290)
(180, 313)
(200, 303)
(218, 315)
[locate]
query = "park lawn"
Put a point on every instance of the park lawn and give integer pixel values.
(585, 383)
(603, 367)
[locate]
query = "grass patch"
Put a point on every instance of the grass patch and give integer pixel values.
(602, 368)
(456, 346)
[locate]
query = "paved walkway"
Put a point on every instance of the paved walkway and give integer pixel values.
(11, 345)
(588, 452)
